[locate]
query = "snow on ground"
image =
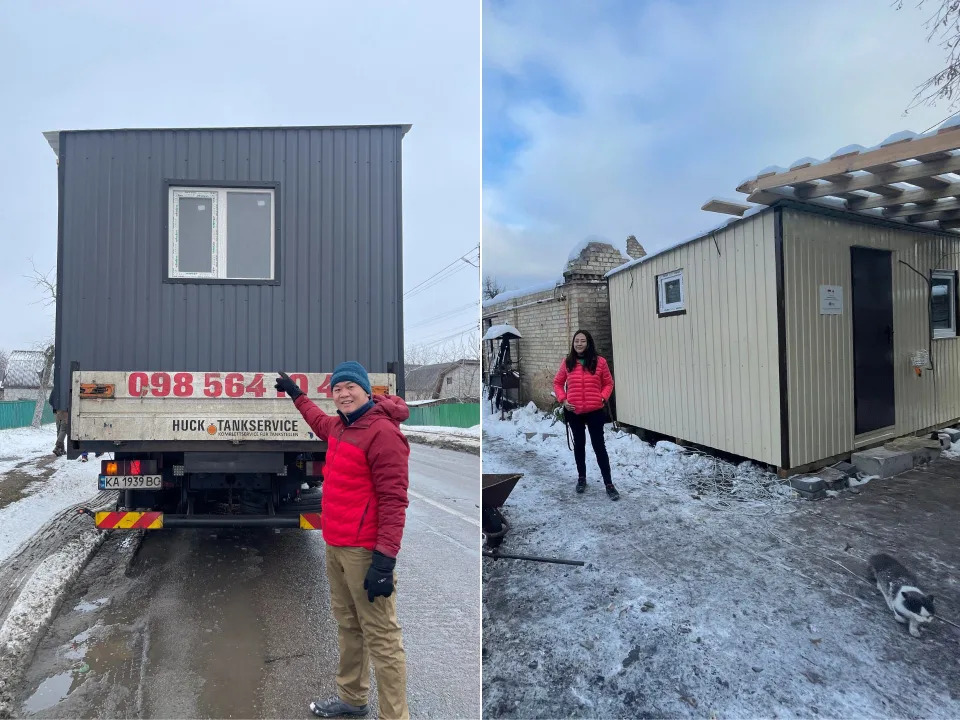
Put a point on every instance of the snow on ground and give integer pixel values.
(72, 482)
(35, 607)
(440, 430)
(19, 444)
(452, 438)
(703, 595)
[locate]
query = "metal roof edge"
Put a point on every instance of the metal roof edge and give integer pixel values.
(720, 228)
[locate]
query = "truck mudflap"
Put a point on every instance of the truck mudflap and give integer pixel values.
(131, 520)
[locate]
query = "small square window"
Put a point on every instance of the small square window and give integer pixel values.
(670, 295)
(943, 303)
(221, 233)
(449, 380)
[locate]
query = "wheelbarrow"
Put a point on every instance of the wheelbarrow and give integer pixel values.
(496, 488)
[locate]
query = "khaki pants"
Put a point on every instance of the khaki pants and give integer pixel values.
(366, 630)
(63, 418)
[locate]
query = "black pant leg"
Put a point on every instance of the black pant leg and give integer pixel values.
(595, 422)
(578, 428)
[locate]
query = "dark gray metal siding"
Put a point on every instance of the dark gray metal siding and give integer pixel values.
(340, 266)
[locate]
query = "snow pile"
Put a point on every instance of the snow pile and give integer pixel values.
(681, 610)
(495, 331)
(35, 607)
(513, 294)
(689, 473)
(72, 482)
(19, 444)
(439, 430)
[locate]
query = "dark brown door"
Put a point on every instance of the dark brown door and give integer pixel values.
(872, 280)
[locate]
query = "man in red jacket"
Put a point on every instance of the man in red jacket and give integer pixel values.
(363, 510)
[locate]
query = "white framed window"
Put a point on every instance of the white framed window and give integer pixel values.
(670, 294)
(943, 303)
(224, 233)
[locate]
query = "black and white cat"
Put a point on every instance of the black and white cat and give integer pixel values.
(899, 587)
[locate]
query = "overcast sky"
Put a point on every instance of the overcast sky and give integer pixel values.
(118, 64)
(616, 118)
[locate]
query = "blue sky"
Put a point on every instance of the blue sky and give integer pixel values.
(115, 63)
(616, 118)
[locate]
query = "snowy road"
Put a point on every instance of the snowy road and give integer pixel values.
(237, 624)
(689, 609)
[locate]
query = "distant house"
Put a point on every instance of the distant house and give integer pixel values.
(457, 381)
(21, 381)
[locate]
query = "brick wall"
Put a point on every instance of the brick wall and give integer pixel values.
(548, 319)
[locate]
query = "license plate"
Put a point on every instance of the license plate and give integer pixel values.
(129, 482)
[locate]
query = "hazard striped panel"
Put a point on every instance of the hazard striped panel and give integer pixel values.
(309, 521)
(129, 520)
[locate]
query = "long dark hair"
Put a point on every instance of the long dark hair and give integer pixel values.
(589, 355)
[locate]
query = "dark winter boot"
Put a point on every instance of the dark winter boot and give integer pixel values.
(581, 484)
(612, 492)
(335, 707)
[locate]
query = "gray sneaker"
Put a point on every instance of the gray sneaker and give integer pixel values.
(335, 707)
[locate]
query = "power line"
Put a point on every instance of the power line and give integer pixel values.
(450, 337)
(442, 316)
(941, 122)
(445, 272)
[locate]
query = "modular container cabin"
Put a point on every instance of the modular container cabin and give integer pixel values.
(193, 264)
(793, 337)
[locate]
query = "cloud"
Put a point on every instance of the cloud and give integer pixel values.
(669, 103)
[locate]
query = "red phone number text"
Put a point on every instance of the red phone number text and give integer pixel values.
(214, 385)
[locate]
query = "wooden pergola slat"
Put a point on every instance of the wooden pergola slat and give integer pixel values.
(941, 142)
(900, 174)
(903, 197)
(725, 207)
(942, 211)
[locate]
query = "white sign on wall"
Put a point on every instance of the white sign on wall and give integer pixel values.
(831, 299)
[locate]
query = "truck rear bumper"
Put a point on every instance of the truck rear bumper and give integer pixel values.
(129, 520)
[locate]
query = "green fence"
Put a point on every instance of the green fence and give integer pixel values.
(19, 413)
(461, 415)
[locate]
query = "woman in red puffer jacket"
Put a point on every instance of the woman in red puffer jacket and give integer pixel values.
(583, 384)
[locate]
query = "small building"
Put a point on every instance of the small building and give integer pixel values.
(547, 315)
(457, 381)
(820, 321)
(21, 381)
(214, 249)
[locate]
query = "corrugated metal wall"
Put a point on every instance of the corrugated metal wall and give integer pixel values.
(710, 376)
(340, 295)
(816, 252)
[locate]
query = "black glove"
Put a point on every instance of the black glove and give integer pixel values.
(288, 386)
(379, 579)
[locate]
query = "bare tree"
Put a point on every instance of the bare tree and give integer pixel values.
(46, 375)
(492, 287)
(4, 358)
(48, 296)
(43, 282)
(944, 28)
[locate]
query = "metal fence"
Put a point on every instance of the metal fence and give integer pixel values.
(19, 413)
(461, 415)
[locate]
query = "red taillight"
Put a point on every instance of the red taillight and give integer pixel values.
(128, 467)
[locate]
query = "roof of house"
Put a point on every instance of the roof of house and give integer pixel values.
(53, 136)
(23, 369)
(426, 378)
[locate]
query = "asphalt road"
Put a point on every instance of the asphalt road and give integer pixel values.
(229, 623)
